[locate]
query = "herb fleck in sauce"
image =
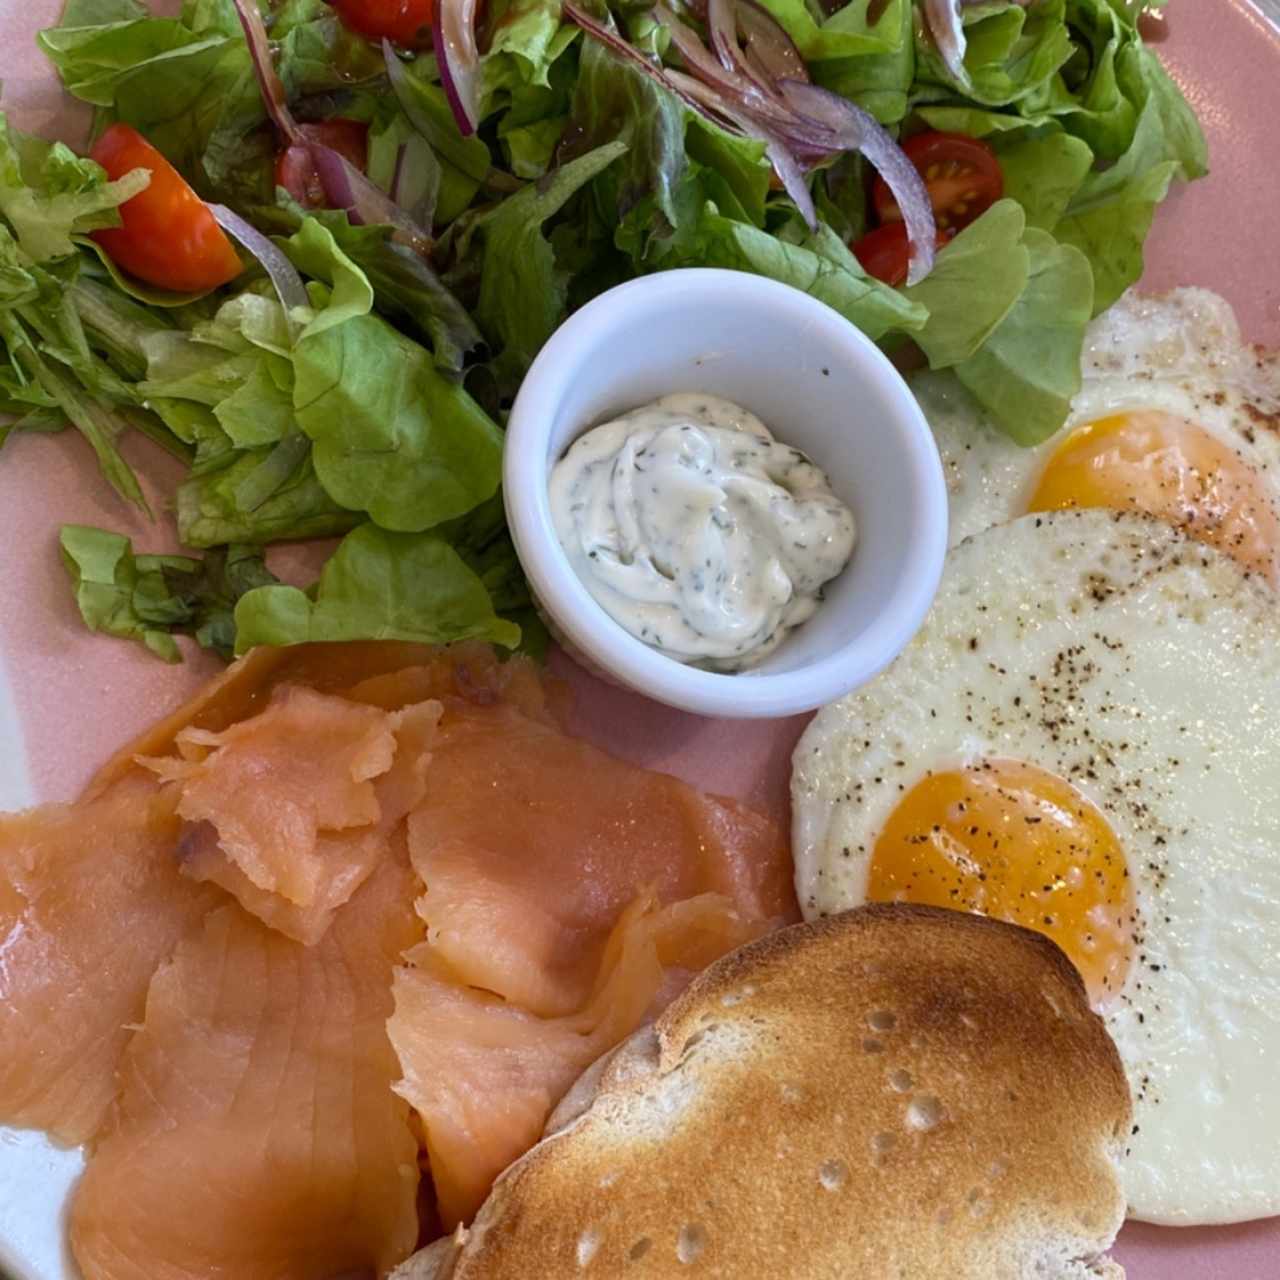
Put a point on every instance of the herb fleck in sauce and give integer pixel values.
(698, 532)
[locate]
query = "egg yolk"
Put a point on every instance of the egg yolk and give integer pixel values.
(1009, 840)
(1166, 467)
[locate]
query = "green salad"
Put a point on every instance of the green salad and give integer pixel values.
(418, 194)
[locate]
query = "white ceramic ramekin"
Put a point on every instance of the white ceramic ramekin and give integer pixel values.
(818, 384)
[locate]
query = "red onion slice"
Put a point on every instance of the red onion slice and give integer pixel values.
(453, 28)
(768, 47)
(763, 92)
(398, 74)
(702, 100)
(705, 100)
(740, 88)
(722, 31)
(790, 171)
(947, 29)
(769, 55)
(347, 188)
(284, 275)
(857, 130)
(273, 94)
(786, 164)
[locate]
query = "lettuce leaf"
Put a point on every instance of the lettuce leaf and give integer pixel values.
(616, 102)
(860, 28)
(392, 436)
(974, 284)
(1043, 172)
(243, 497)
(821, 266)
(1026, 373)
(353, 417)
(1110, 215)
(49, 194)
(1012, 52)
(405, 288)
(523, 293)
(98, 43)
(236, 365)
(378, 586)
(740, 162)
(188, 83)
(464, 162)
(527, 39)
(879, 82)
(152, 598)
(534, 118)
(1183, 139)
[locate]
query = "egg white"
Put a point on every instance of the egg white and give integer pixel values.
(1181, 353)
(1142, 667)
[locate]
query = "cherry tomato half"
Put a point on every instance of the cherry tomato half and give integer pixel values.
(961, 173)
(403, 22)
(167, 236)
(295, 171)
(884, 252)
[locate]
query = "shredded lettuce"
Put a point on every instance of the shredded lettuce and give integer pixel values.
(152, 598)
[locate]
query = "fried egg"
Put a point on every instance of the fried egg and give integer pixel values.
(1083, 739)
(1177, 417)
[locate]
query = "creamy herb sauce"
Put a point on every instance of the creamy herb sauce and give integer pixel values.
(697, 531)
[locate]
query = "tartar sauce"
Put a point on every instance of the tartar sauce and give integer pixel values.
(697, 531)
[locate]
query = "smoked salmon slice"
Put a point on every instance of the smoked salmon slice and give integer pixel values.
(568, 897)
(350, 902)
(484, 1074)
(256, 1135)
(469, 672)
(90, 903)
(243, 689)
(531, 844)
(291, 809)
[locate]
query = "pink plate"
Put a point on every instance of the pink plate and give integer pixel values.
(67, 698)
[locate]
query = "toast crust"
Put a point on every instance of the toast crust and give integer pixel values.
(897, 1091)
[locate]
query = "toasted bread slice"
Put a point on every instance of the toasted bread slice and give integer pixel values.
(898, 1091)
